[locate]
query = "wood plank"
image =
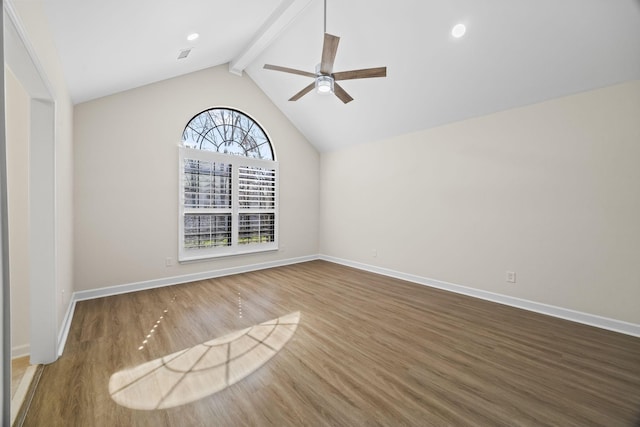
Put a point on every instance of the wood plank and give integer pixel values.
(19, 366)
(368, 350)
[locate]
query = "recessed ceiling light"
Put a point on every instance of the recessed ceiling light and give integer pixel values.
(458, 30)
(191, 37)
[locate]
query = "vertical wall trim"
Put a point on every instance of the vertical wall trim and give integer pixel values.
(42, 238)
(42, 201)
(4, 262)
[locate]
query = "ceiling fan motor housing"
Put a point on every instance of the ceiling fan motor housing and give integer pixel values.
(324, 77)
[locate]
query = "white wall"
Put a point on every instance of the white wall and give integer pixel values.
(34, 27)
(550, 191)
(17, 134)
(126, 178)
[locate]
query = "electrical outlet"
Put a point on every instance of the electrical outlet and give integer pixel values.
(374, 253)
(511, 276)
(168, 262)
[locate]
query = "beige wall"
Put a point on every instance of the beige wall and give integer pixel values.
(17, 134)
(550, 191)
(126, 178)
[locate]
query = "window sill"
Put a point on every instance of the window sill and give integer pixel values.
(210, 257)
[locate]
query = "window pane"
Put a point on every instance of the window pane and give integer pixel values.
(207, 184)
(207, 230)
(256, 228)
(256, 188)
(228, 186)
(227, 131)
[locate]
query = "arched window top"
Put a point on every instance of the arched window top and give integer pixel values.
(228, 131)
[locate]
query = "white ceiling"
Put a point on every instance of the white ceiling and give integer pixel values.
(514, 53)
(115, 45)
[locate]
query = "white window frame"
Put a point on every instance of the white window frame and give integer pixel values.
(184, 254)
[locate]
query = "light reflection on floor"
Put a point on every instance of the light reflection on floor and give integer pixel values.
(153, 328)
(199, 371)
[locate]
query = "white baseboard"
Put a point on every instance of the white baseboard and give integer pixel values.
(20, 351)
(66, 325)
(158, 283)
(186, 278)
(25, 350)
(563, 313)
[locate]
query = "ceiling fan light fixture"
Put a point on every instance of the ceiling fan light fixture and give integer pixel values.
(458, 30)
(324, 79)
(324, 84)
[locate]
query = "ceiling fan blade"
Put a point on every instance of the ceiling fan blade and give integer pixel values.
(341, 93)
(288, 70)
(361, 74)
(303, 92)
(329, 49)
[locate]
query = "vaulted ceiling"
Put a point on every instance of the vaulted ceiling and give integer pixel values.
(514, 53)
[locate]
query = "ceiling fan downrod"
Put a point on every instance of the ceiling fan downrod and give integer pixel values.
(325, 16)
(325, 80)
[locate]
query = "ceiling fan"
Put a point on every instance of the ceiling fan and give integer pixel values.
(324, 77)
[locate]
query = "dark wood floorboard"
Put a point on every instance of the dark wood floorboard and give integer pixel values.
(369, 350)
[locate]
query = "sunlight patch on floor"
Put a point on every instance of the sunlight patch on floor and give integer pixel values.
(202, 370)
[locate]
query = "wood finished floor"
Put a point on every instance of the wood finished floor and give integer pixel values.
(18, 368)
(368, 350)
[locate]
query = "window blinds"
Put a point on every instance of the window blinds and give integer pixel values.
(228, 204)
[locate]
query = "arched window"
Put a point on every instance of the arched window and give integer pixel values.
(227, 131)
(229, 187)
